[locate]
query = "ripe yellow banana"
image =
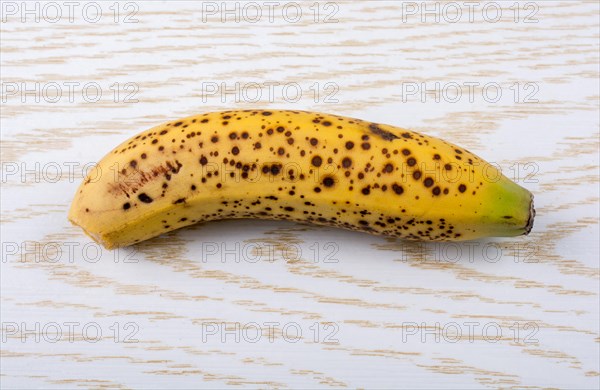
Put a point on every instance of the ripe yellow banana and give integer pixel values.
(300, 166)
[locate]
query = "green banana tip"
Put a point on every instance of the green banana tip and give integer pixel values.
(529, 224)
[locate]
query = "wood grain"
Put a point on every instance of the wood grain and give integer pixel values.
(220, 304)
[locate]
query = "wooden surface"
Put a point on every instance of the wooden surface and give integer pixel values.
(184, 310)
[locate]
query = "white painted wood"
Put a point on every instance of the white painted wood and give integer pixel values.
(372, 312)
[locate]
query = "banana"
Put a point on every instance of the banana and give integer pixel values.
(300, 166)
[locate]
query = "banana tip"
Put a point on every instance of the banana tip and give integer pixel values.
(96, 237)
(529, 224)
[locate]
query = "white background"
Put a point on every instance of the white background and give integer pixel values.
(182, 310)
